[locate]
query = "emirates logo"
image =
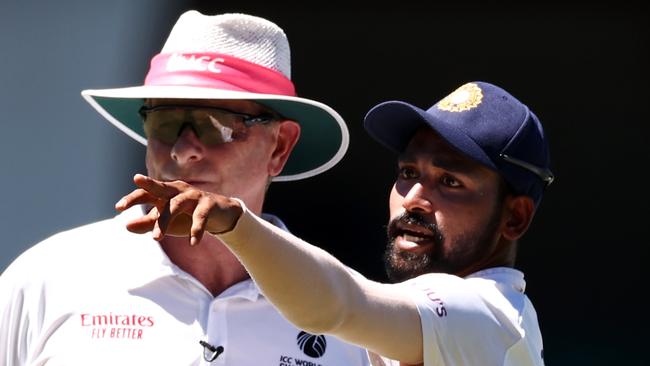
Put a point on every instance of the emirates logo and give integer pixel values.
(312, 345)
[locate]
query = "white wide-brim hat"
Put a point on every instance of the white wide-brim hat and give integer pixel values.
(231, 56)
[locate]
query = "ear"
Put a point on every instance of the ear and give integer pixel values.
(520, 211)
(287, 137)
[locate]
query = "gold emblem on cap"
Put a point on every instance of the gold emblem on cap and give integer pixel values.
(464, 98)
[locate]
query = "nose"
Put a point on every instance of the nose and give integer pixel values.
(187, 148)
(416, 200)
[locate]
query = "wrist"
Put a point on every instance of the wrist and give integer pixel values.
(229, 213)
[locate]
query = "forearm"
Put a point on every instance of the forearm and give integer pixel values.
(316, 292)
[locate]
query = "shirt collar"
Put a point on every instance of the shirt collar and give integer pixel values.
(503, 275)
(159, 265)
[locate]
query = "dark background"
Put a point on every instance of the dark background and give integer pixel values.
(583, 69)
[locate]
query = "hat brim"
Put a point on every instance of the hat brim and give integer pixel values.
(394, 123)
(324, 136)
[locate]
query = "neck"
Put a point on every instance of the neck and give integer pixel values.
(503, 256)
(210, 262)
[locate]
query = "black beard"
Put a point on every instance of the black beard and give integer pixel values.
(401, 265)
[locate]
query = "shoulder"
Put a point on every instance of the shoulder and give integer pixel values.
(494, 282)
(65, 251)
(493, 298)
(474, 314)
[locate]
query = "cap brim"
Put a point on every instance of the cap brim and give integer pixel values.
(324, 136)
(394, 123)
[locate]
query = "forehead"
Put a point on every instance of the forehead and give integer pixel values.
(427, 144)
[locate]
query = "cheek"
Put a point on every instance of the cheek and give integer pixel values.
(239, 162)
(395, 202)
(156, 155)
(457, 223)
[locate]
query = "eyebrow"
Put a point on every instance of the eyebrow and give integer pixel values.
(447, 161)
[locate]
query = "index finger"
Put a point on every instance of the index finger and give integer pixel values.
(157, 188)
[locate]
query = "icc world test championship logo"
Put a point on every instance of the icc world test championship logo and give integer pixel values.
(313, 345)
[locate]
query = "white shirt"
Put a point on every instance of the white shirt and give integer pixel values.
(482, 319)
(100, 295)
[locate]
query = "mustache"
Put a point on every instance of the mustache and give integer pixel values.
(410, 218)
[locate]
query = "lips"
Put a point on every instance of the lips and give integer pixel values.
(414, 229)
(191, 181)
(413, 238)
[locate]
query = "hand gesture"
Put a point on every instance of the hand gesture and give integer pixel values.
(179, 209)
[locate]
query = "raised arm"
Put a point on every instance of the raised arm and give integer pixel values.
(310, 287)
(318, 293)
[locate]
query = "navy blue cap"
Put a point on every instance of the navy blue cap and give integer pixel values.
(482, 121)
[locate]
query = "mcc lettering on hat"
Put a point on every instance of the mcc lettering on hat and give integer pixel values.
(231, 56)
(482, 121)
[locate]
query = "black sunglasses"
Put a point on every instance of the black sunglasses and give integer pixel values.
(212, 125)
(545, 174)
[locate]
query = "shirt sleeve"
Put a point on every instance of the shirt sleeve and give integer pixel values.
(460, 322)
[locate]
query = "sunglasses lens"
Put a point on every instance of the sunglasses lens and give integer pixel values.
(218, 128)
(166, 132)
(211, 126)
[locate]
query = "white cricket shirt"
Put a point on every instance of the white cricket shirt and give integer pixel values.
(482, 319)
(100, 295)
